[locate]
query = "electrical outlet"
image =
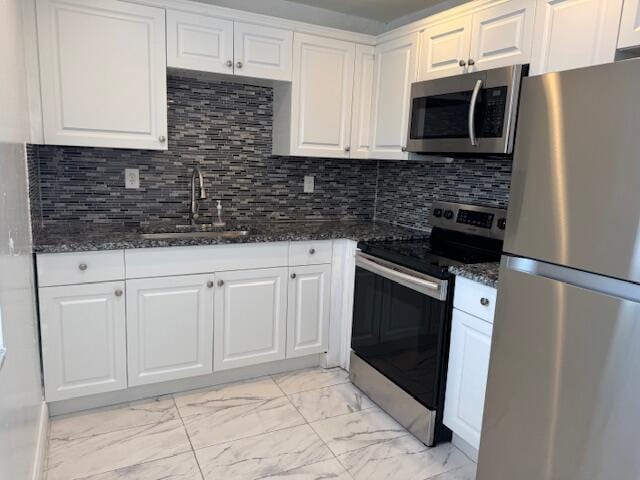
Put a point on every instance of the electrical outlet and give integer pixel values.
(131, 178)
(309, 184)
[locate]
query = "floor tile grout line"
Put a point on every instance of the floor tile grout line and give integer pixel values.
(186, 432)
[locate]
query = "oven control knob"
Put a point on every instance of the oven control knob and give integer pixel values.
(502, 223)
(437, 212)
(448, 214)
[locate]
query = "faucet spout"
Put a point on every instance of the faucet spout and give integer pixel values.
(193, 211)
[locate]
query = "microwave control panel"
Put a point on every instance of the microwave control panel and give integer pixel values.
(495, 104)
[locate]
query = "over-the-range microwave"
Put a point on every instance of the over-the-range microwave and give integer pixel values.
(469, 114)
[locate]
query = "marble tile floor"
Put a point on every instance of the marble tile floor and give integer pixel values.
(306, 425)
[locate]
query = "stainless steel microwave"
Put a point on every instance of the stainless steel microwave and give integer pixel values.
(473, 113)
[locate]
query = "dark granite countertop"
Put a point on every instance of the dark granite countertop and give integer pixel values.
(485, 273)
(90, 237)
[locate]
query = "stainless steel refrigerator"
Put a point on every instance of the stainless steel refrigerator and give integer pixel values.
(563, 394)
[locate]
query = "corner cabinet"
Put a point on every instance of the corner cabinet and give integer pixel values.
(362, 102)
(103, 73)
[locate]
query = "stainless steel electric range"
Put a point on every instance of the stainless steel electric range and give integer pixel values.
(402, 313)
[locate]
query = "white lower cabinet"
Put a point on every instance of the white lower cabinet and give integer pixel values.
(169, 328)
(83, 339)
(250, 317)
(308, 310)
(467, 376)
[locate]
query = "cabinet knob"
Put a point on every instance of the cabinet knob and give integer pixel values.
(239, 64)
(471, 62)
(484, 302)
(293, 275)
(162, 139)
(404, 149)
(118, 293)
(347, 149)
(462, 63)
(82, 267)
(229, 63)
(220, 283)
(210, 284)
(312, 251)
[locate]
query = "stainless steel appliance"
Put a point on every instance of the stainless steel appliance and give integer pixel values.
(564, 380)
(474, 113)
(402, 313)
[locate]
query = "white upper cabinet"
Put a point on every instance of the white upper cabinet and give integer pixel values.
(83, 339)
(362, 102)
(502, 35)
(263, 52)
(103, 73)
(574, 33)
(395, 70)
(199, 42)
(444, 49)
(250, 325)
(630, 25)
(169, 328)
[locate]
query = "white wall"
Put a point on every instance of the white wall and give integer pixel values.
(20, 390)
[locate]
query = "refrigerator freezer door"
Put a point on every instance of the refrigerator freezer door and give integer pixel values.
(575, 189)
(564, 382)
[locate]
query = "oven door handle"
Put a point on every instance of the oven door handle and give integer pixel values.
(472, 113)
(433, 288)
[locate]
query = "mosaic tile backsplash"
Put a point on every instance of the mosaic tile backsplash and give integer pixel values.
(226, 128)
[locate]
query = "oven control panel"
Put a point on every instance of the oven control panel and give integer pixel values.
(485, 221)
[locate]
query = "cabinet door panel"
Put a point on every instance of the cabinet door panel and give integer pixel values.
(502, 35)
(395, 70)
(103, 73)
(467, 376)
(574, 33)
(169, 328)
(199, 42)
(322, 93)
(308, 311)
(442, 47)
(83, 339)
(263, 52)
(630, 25)
(250, 318)
(362, 102)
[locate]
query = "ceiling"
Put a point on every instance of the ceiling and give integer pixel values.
(379, 10)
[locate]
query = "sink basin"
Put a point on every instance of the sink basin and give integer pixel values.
(179, 235)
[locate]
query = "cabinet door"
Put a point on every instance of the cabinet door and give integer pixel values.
(103, 73)
(263, 52)
(443, 47)
(83, 339)
(630, 25)
(308, 311)
(574, 33)
(322, 91)
(467, 376)
(169, 328)
(199, 42)
(502, 35)
(250, 317)
(362, 102)
(395, 70)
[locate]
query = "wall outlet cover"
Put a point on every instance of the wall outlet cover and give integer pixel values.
(131, 178)
(309, 184)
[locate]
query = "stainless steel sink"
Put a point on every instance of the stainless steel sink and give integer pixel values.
(179, 235)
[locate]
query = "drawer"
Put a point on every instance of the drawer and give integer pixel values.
(79, 267)
(475, 298)
(168, 261)
(310, 253)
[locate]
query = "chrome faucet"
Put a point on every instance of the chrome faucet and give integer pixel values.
(193, 212)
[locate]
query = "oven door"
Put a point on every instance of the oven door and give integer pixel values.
(400, 326)
(473, 113)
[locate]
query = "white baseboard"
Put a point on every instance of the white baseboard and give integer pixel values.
(42, 444)
(465, 447)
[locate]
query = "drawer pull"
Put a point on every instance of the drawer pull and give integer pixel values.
(118, 293)
(82, 267)
(312, 251)
(484, 302)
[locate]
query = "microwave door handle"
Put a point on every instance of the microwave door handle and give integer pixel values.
(472, 113)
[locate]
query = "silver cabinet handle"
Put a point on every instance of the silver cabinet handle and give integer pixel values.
(484, 302)
(162, 139)
(471, 62)
(347, 149)
(462, 63)
(229, 63)
(220, 283)
(210, 284)
(312, 251)
(118, 293)
(239, 64)
(83, 267)
(472, 113)
(293, 275)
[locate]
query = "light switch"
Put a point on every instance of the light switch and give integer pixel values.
(131, 178)
(309, 184)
